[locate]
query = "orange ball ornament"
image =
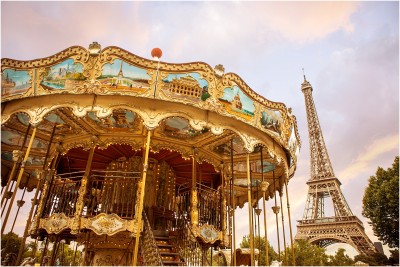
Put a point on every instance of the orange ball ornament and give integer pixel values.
(156, 53)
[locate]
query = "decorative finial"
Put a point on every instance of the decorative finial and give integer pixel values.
(94, 48)
(156, 53)
(219, 70)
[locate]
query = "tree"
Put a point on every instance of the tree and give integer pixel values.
(306, 254)
(375, 259)
(381, 204)
(340, 259)
(10, 243)
(260, 243)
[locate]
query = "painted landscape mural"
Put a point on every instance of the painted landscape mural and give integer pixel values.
(180, 128)
(186, 85)
(237, 103)
(14, 82)
(120, 119)
(271, 120)
(63, 76)
(120, 75)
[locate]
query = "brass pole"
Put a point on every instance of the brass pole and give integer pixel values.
(250, 211)
(140, 206)
(21, 172)
(233, 209)
(264, 187)
(39, 183)
(44, 252)
(14, 168)
(276, 211)
(283, 227)
(19, 204)
(194, 211)
(290, 224)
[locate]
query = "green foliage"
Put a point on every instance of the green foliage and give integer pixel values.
(307, 254)
(10, 243)
(376, 259)
(340, 259)
(381, 204)
(260, 243)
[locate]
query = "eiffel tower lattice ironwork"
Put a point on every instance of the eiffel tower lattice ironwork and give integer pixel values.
(343, 226)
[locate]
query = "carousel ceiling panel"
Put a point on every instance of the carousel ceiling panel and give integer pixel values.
(119, 120)
(179, 128)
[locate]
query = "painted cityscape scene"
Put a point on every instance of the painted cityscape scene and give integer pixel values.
(187, 85)
(14, 82)
(271, 120)
(180, 128)
(118, 119)
(238, 103)
(122, 75)
(63, 76)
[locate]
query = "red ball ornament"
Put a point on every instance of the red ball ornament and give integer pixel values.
(156, 52)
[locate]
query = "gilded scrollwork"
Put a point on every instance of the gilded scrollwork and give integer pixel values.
(56, 223)
(109, 224)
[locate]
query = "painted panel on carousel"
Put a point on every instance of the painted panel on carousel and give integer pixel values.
(32, 160)
(272, 120)
(63, 76)
(119, 119)
(179, 128)
(11, 138)
(14, 82)
(120, 75)
(23, 118)
(293, 145)
(238, 103)
(188, 86)
(225, 148)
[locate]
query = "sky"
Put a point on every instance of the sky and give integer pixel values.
(349, 52)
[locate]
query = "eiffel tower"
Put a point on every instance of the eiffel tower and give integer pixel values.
(343, 226)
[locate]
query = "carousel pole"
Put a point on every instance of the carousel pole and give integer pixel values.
(140, 206)
(283, 225)
(233, 208)
(264, 187)
(21, 172)
(276, 211)
(290, 224)
(250, 211)
(223, 209)
(39, 183)
(20, 203)
(16, 158)
(194, 213)
(44, 251)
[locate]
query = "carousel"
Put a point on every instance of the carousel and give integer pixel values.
(139, 161)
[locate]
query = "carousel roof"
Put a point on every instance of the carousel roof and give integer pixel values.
(110, 97)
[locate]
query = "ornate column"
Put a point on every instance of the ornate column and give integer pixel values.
(21, 172)
(139, 207)
(81, 192)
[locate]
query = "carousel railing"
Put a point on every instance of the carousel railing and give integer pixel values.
(112, 192)
(63, 194)
(209, 204)
(148, 247)
(189, 249)
(210, 207)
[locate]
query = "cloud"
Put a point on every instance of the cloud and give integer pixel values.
(309, 20)
(366, 158)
